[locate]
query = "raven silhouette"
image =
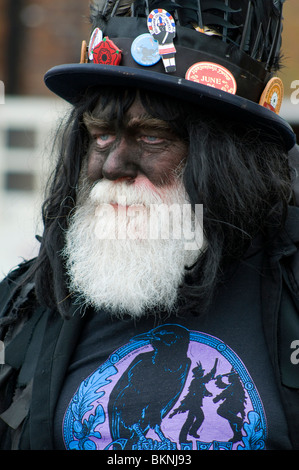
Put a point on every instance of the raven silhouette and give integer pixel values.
(149, 388)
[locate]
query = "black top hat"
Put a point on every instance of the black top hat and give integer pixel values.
(221, 55)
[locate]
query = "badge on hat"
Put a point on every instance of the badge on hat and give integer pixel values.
(145, 50)
(83, 56)
(106, 52)
(95, 39)
(161, 26)
(273, 95)
(213, 75)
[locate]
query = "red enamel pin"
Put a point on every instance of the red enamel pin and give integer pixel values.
(106, 52)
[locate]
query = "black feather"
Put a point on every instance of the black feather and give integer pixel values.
(245, 39)
(189, 13)
(167, 5)
(102, 10)
(142, 8)
(253, 25)
(220, 14)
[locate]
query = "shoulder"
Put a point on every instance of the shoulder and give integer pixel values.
(291, 246)
(15, 291)
(294, 165)
(285, 243)
(282, 254)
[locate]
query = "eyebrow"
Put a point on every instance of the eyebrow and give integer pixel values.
(144, 121)
(92, 121)
(147, 121)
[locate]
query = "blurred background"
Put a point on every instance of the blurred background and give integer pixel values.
(35, 36)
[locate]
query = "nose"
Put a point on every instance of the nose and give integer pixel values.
(120, 161)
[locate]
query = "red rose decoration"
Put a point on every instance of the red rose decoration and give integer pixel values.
(106, 52)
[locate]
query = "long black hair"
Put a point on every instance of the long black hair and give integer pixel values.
(240, 177)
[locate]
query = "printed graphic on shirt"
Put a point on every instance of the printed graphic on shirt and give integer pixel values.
(167, 389)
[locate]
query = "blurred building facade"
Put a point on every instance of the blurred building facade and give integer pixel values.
(27, 131)
(35, 36)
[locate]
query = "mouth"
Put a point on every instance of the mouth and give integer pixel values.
(121, 206)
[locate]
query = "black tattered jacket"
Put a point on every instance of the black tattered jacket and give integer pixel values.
(38, 350)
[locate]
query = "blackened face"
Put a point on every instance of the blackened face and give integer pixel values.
(138, 146)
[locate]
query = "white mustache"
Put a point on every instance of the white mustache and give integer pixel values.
(124, 193)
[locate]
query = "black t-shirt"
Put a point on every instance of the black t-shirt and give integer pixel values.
(187, 382)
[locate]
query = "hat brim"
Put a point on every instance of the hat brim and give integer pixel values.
(72, 80)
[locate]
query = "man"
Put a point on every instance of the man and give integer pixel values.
(143, 324)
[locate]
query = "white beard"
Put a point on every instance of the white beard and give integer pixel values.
(112, 261)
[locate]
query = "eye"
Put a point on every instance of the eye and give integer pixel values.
(103, 140)
(152, 139)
